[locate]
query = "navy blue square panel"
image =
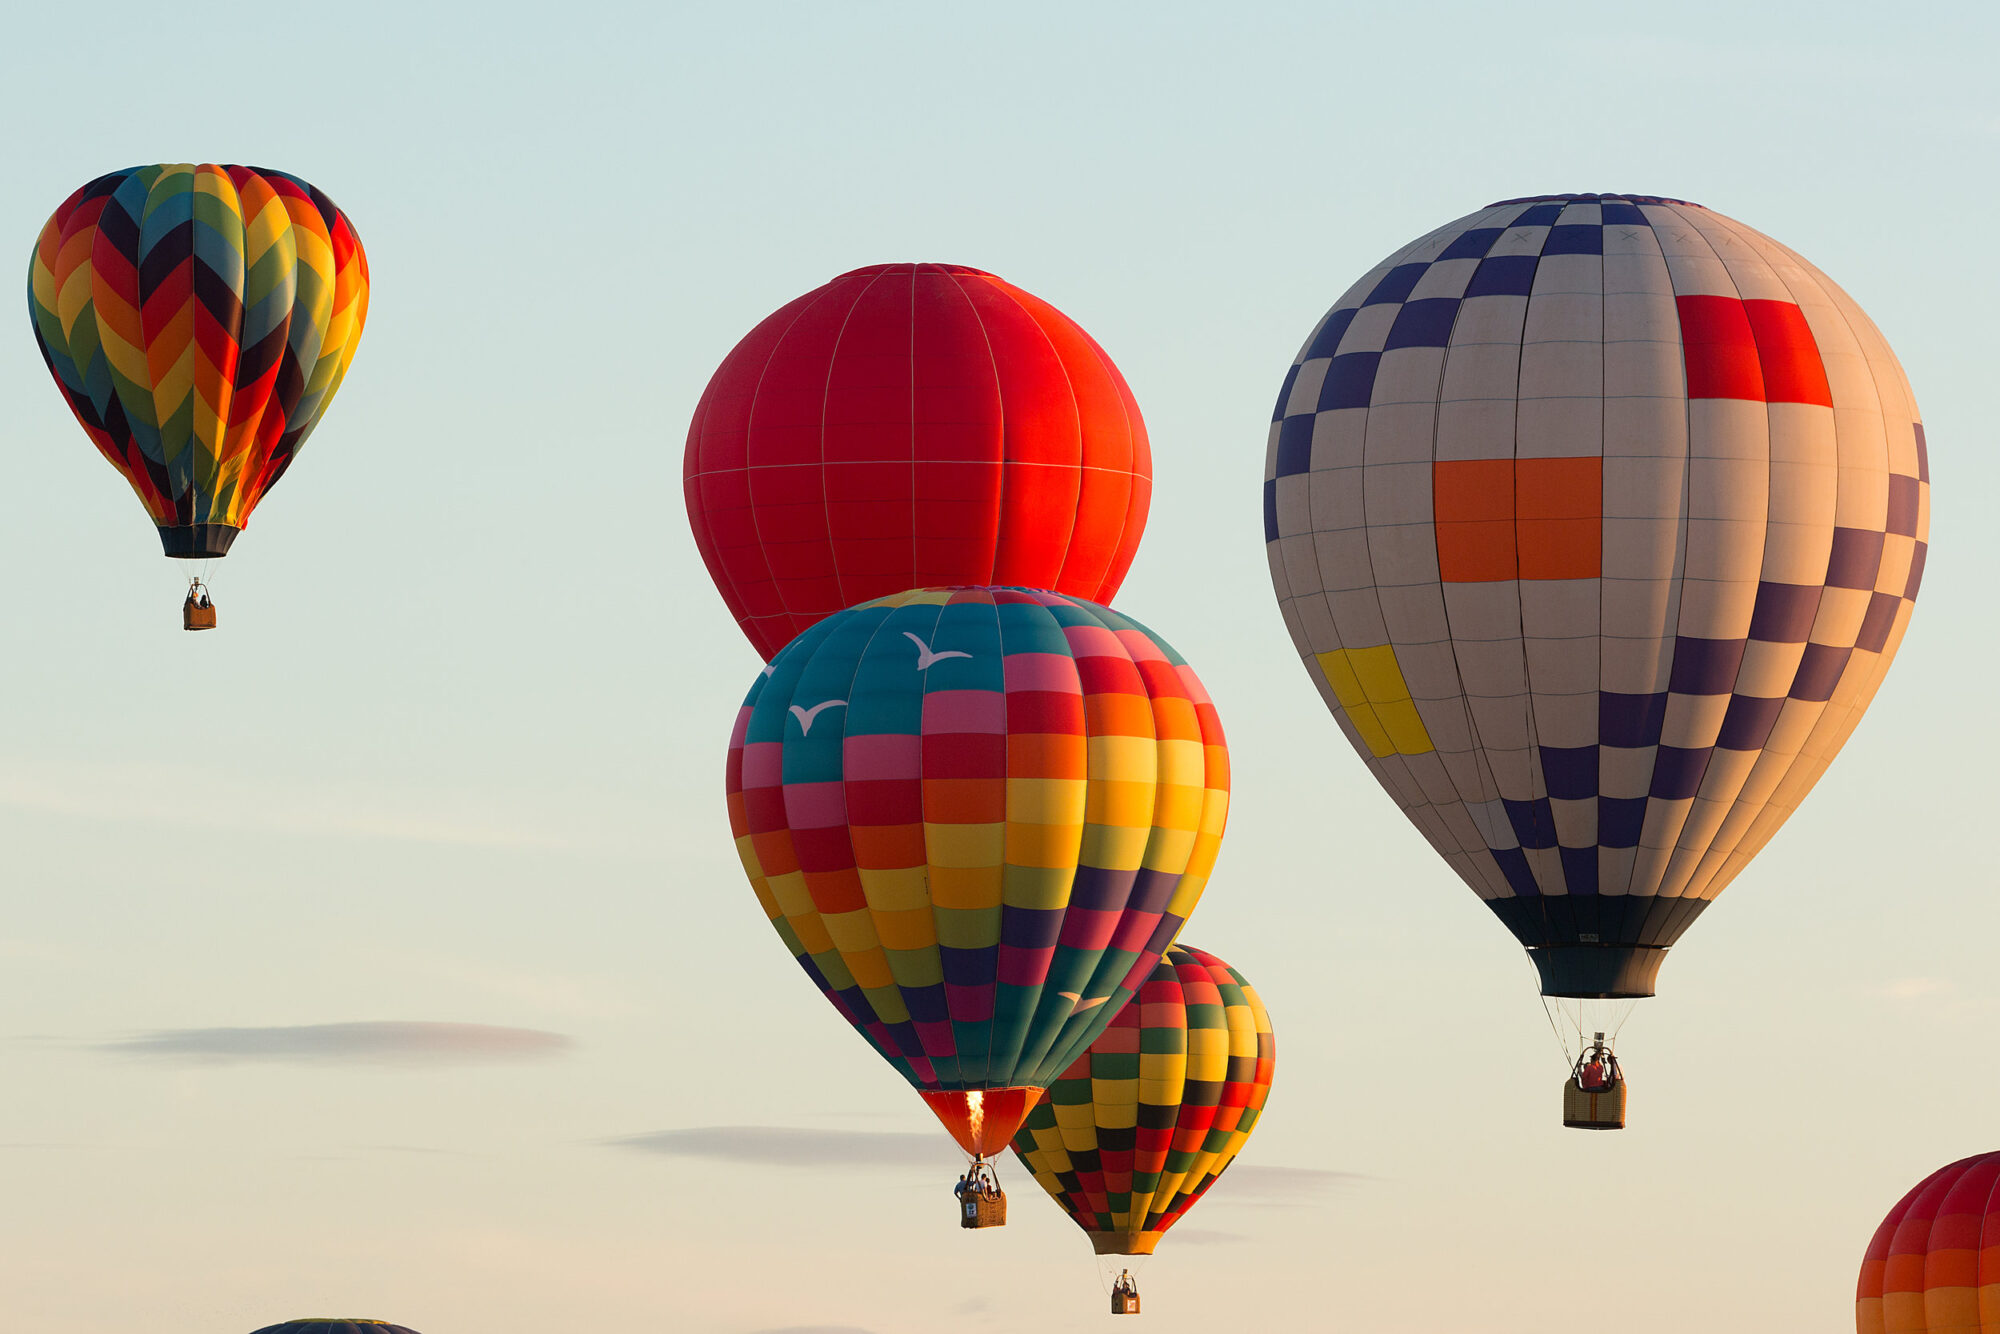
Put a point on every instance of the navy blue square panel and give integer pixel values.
(1472, 244)
(1513, 864)
(1916, 580)
(1630, 721)
(1539, 215)
(1819, 672)
(1285, 394)
(1705, 666)
(1856, 559)
(1747, 725)
(1425, 323)
(1270, 511)
(1677, 771)
(1570, 771)
(1620, 821)
(1350, 381)
(1580, 869)
(1534, 824)
(1503, 275)
(1295, 445)
(1574, 240)
(1624, 214)
(1396, 284)
(1784, 613)
(1327, 341)
(1875, 626)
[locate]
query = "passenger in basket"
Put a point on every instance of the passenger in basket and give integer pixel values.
(1594, 1073)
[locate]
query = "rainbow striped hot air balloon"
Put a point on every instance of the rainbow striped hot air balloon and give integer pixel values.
(198, 320)
(976, 817)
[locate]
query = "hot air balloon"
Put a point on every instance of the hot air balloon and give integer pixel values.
(1596, 520)
(198, 320)
(910, 426)
(1138, 1129)
(335, 1327)
(976, 817)
(1934, 1264)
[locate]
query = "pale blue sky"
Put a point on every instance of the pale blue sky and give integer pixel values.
(455, 756)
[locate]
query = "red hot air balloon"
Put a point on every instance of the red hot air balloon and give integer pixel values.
(1934, 1264)
(909, 426)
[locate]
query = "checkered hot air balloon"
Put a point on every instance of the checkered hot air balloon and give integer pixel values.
(1138, 1129)
(198, 320)
(1597, 520)
(1933, 1266)
(912, 426)
(335, 1327)
(976, 817)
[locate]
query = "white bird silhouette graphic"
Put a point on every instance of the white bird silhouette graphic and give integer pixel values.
(806, 716)
(924, 655)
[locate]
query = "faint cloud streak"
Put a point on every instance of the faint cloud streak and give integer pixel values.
(388, 1042)
(814, 1329)
(791, 1146)
(1260, 1183)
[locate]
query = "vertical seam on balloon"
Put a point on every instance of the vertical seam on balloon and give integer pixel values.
(916, 569)
(1751, 238)
(1479, 767)
(826, 396)
(1678, 916)
(749, 472)
(1004, 462)
(1076, 414)
(1120, 562)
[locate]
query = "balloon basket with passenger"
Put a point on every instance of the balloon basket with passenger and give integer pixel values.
(198, 611)
(981, 1202)
(1594, 1093)
(1125, 1294)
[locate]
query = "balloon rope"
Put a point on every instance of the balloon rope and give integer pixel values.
(1560, 1042)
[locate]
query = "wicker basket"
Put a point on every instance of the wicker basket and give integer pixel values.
(197, 615)
(978, 1208)
(1124, 1303)
(1594, 1109)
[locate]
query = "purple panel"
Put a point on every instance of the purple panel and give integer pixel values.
(1902, 505)
(1570, 771)
(1819, 672)
(1097, 888)
(926, 1004)
(1534, 824)
(1619, 821)
(1916, 578)
(1857, 558)
(1879, 621)
(1784, 613)
(1513, 864)
(1580, 864)
(1677, 771)
(1030, 928)
(1152, 890)
(1747, 725)
(1705, 666)
(966, 968)
(1631, 721)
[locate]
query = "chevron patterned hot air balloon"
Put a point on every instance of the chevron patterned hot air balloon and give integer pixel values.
(976, 817)
(198, 320)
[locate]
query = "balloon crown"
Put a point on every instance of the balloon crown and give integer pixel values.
(1584, 199)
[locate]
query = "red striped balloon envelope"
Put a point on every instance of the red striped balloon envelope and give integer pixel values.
(911, 426)
(1933, 1266)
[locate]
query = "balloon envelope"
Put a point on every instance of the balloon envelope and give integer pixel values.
(1596, 520)
(1933, 1266)
(976, 816)
(335, 1327)
(1129, 1137)
(910, 426)
(198, 320)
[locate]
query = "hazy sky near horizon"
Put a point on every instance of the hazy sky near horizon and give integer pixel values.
(385, 952)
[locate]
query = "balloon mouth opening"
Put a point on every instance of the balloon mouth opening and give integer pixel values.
(198, 541)
(983, 1121)
(1598, 972)
(1125, 1243)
